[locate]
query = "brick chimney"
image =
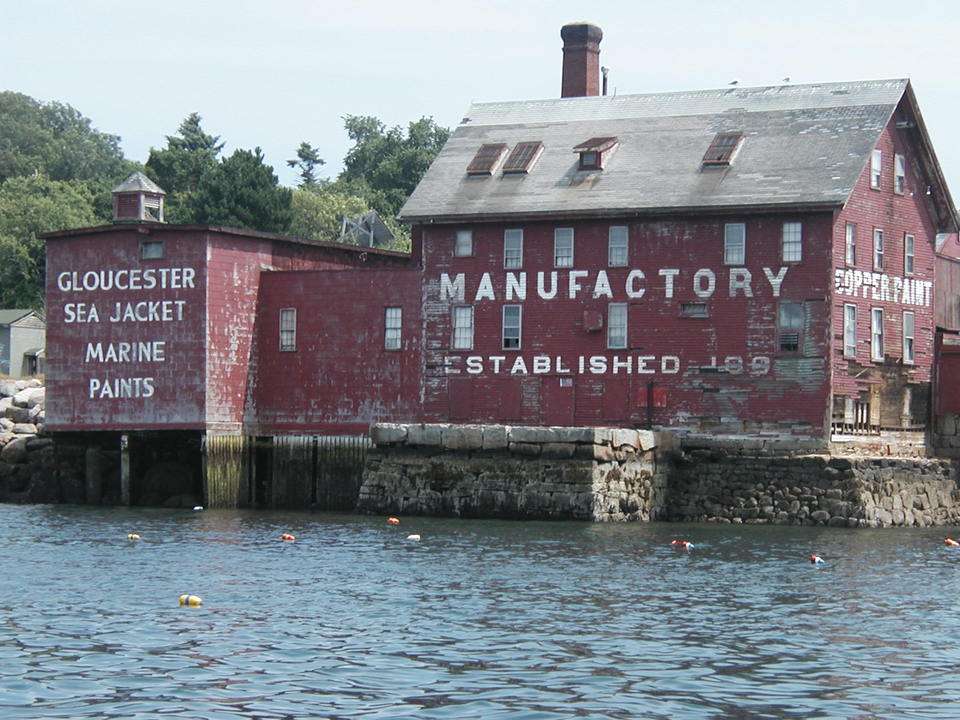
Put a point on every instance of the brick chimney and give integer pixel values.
(581, 60)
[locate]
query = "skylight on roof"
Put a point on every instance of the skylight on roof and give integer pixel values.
(723, 148)
(486, 159)
(523, 157)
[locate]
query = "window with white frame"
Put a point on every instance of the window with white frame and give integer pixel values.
(464, 246)
(288, 329)
(850, 245)
(616, 326)
(392, 324)
(512, 317)
(876, 334)
(790, 326)
(908, 331)
(850, 330)
(734, 243)
(876, 160)
(617, 246)
(908, 254)
(563, 247)
(899, 174)
(512, 249)
(877, 249)
(463, 327)
(792, 248)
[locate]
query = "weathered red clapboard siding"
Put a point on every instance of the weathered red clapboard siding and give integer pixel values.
(177, 398)
(738, 330)
(201, 381)
(340, 378)
(897, 215)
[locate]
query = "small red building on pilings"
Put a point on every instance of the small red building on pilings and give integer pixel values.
(742, 261)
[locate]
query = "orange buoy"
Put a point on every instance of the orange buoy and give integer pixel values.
(288, 536)
(190, 600)
(815, 559)
(393, 520)
(951, 542)
(685, 544)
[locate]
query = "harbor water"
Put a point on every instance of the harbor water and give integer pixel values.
(476, 619)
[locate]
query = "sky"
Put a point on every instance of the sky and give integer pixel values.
(276, 73)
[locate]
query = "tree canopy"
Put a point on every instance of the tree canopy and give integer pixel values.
(57, 170)
(55, 140)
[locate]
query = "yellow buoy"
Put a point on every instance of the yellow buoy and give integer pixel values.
(133, 536)
(191, 600)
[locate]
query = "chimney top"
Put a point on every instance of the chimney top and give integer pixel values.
(581, 59)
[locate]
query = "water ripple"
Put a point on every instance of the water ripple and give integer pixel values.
(481, 619)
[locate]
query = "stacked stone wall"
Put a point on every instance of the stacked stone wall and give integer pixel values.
(515, 472)
(28, 468)
(814, 490)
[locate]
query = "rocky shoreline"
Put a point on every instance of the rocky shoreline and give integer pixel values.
(27, 461)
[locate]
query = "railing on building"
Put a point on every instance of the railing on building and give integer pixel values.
(292, 471)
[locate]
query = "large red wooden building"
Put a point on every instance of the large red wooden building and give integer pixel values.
(736, 261)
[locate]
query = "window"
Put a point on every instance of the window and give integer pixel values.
(392, 323)
(512, 249)
(850, 330)
(876, 334)
(464, 245)
(288, 329)
(850, 245)
(876, 160)
(523, 157)
(511, 327)
(792, 242)
(616, 326)
(908, 337)
(790, 324)
(486, 159)
(734, 243)
(877, 249)
(151, 250)
(899, 174)
(593, 151)
(463, 327)
(723, 148)
(694, 309)
(617, 253)
(908, 254)
(563, 247)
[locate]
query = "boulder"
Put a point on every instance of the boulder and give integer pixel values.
(17, 414)
(15, 451)
(24, 429)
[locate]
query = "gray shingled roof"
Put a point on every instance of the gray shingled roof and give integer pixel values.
(8, 317)
(138, 182)
(804, 145)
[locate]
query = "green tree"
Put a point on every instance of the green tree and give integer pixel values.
(29, 205)
(318, 213)
(241, 191)
(179, 168)
(56, 140)
(385, 164)
(308, 160)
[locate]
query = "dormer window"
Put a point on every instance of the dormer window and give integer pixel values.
(523, 157)
(722, 149)
(486, 159)
(594, 151)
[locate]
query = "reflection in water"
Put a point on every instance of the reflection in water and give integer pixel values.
(481, 619)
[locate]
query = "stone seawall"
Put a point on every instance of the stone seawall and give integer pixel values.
(814, 490)
(515, 472)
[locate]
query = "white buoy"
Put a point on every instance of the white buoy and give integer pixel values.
(198, 507)
(413, 537)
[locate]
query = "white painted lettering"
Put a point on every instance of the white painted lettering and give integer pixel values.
(516, 286)
(574, 279)
(452, 289)
(632, 290)
(698, 278)
(668, 274)
(602, 286)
